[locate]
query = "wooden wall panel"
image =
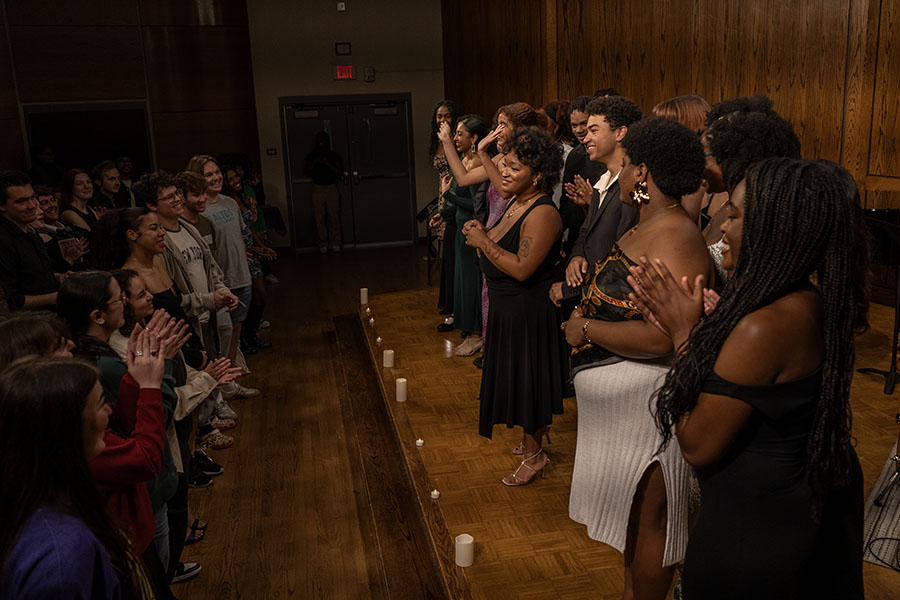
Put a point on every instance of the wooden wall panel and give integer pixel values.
(885, 149)
(198, 68)
(199, 12)
(493, 53)
(72, 13)
(71, 64)
(832, 68)
(181, 135)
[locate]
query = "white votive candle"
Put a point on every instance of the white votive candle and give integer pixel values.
(368, 311)
(372, 321)
(401, 389)
(435, 494)
(420, 442)
(363, 295)
(465, 550)
(378, 340)
(388, 358)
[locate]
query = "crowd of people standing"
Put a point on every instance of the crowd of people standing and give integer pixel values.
(695, 285)
(127, 316)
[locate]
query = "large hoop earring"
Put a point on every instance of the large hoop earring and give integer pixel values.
(639, 195)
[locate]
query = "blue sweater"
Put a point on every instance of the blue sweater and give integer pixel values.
(57, 556)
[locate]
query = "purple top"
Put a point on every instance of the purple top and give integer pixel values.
(57, 556)
(496, 206)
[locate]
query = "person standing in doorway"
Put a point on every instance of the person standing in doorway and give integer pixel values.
(325, 166)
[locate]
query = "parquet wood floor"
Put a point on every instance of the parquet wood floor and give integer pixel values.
(291, 517)
(526, 545)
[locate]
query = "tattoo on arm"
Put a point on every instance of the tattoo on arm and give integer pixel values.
(525, 247)
(492, 250)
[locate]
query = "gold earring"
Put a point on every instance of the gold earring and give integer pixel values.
(639, 195)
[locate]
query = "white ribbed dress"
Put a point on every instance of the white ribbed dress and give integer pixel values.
(617, 441)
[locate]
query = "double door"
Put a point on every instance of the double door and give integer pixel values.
(372, 137)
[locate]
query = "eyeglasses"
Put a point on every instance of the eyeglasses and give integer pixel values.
(122, 298)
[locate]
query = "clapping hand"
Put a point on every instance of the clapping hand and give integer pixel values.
(671, 307)
(580, 191)
(144, 358)
(222, 371)
(72, 253)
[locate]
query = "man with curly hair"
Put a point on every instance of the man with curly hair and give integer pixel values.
(607, 219)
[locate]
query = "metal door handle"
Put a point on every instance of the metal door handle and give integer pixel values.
(355, 177)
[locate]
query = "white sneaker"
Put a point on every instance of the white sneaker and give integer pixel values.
(223, 410)
(265, 325)
(236, 391)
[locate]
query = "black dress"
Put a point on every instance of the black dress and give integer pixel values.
(755, 536)
(524, 374)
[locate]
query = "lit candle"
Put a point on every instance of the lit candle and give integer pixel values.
(368, 311)
(435, 494)
(363, 295)
(465, 550)
(388, 358)
(378, 340)
(372, 321)
(401, 389)
(420, 442)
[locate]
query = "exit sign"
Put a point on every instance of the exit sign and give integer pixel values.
(343, 72)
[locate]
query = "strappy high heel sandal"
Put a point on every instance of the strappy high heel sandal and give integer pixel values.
(519, 450)
(513, 479)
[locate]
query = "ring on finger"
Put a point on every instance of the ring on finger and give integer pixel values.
(138, 353)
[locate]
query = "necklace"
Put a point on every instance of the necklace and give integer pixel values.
(515, 209)
(633, 229)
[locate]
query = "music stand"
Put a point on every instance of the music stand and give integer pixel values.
(890, 376)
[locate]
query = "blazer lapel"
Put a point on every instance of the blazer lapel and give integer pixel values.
(612, 191)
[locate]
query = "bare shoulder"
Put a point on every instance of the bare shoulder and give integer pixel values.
(781, 341)
(545, 216)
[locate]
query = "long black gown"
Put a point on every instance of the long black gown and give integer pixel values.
(525, 372)
(755, 536)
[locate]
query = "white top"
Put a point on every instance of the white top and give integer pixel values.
(604, 183)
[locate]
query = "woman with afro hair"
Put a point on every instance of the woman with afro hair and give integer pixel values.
(629, 495)
(525, 372)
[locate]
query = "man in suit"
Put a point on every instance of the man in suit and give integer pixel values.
(607, 219)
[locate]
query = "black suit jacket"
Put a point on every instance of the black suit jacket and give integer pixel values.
(603, 225)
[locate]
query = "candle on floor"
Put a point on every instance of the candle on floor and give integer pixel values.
(401, 389)
(378, 340)
(465, 550)
(372, 321)
(388, 358)
(368, 311)
(363, 295)
(435, 494)
(420, 442)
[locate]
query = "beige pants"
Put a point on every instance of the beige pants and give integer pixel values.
(327, 206)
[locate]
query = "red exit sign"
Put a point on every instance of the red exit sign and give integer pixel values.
(343, 72)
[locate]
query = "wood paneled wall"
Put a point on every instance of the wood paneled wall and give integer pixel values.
(832, 67)
(189, 59)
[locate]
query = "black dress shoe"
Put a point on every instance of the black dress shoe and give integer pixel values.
(479, 361)
(248, 348)
(447, 325)
(259, 342)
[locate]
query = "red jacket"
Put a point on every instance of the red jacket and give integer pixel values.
(134, 455)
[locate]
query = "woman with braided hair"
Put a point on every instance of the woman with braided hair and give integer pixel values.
(758, 397)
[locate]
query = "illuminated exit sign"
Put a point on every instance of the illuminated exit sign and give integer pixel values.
(343, 72)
